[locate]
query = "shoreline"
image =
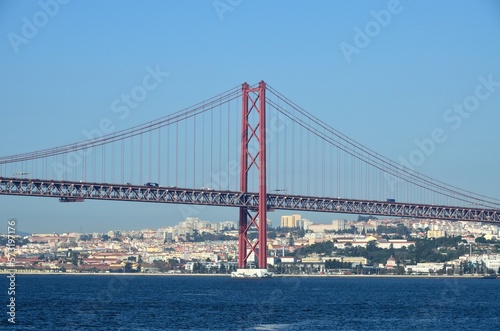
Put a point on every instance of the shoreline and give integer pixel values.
(141, 274)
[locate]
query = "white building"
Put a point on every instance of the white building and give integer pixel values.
(424, 268)
(338, 225)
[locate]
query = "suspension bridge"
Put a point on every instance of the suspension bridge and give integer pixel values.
(251, 148)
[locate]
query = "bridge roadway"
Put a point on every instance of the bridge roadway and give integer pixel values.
(139, 193)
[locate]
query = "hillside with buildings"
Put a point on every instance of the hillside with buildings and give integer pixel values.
(297, 246)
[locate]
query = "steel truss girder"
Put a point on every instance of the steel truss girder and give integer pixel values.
(395, 209)
(250, 201)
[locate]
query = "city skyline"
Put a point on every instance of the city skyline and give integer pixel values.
(365, 68)
(96, 225)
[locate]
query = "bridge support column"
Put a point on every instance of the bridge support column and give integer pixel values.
(253, 158)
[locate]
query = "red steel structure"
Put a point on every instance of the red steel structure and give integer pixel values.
(254, 110)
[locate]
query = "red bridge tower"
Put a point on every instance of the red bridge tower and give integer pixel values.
(253, 158)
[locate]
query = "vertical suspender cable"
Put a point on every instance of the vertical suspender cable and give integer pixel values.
(292, 182)
(338, 170)
(237, 125)
(94, 162)
(150, 155)
(194, 151)
(159, 155)
(177, 153)
(308, 157)
(323, 170)
(51, 172)
(360, 176)
(113, 161)
(369, 196)
(186, 148)
(345, 173)
(168, 153)
(277, 163)
(316, 166)
(122, 161)
(366, 182)
(382, 183)
(203, 148)
(229, 144)
(281, 118)
(354, 175)
(140, 159)
(84, 165)
(132, 159)
(301, 159)
(103, 159)
(314, 160)
(63, 167)
(330, 186)
(212, 132)
(220, 148)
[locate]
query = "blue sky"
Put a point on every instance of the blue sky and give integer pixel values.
(394, 85)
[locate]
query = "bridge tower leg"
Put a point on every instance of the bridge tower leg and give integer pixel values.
(253, 157)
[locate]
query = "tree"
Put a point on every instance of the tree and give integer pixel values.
(402, 230)
(75, 257)
(127, 267)
(85, 237)
(325, 248)
(301, 233)
(371, 246)
(399, 270)
(480, 240)
(198, 268)
(334, 264)
(366, 218)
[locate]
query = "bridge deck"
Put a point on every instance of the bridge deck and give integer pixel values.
(119, 192)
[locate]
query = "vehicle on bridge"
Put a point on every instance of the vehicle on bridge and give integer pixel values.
(21, 173)
(151, 184)
(71, 199)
